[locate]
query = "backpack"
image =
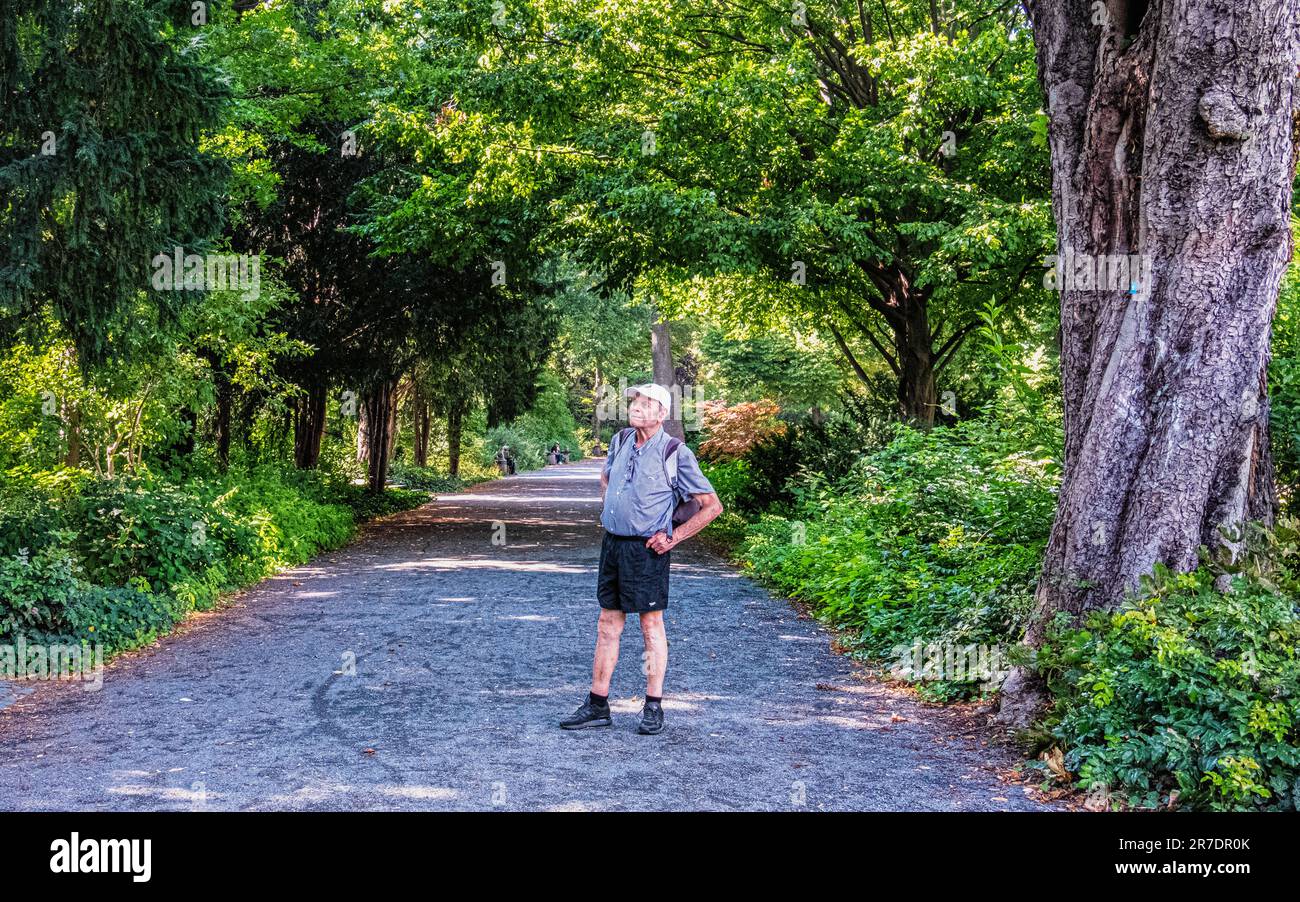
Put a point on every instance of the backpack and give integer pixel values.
(686, 507)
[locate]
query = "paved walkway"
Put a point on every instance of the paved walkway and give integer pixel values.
(465, 655)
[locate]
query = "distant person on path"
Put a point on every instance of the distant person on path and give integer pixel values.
(505, 460)
(634, 553)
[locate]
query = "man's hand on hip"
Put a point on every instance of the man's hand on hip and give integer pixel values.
(660, 542)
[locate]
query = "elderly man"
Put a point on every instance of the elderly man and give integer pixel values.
(634, 553)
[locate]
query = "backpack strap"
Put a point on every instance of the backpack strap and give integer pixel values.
(619, 437)
(670, 460)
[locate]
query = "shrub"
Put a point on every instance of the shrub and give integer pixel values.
(732, 431)
(778, 467)
(287, 518)
(1188, 693)
(134, 527)
(728, 479)
(937, 537)
(29, 519)
(427, 479)
(121, 618)
(123, 559)
(529, 454)
(44, 598)
(35, 590)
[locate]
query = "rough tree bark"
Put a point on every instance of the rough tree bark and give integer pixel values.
(595, 407)
(454, 415)
(1171, 139)
(380, 403)
(661, 352)
(309, 425)
(421, 422)
(363, 435)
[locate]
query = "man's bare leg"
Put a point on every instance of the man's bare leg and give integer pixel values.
(656, 652)
(608, 629)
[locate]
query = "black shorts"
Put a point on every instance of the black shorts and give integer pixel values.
(633, 578)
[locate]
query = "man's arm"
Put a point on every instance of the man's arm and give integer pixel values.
(710, 507)
(693, 484)
(604, 482)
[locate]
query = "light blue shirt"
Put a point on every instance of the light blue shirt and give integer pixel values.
(643, 504)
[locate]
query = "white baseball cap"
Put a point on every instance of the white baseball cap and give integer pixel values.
(652, 390)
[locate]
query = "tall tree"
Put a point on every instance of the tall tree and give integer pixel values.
(102, 112)
(882, 158)
(661, 355)
(1171, 127)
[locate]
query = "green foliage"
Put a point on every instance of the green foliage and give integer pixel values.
(1188, 689)
(1284, 385)
(531, 435)
(1026, 397)
(795, 371)
(121, 618)
(936, 537)
(44, 598)
(145, 532)
(729, 479)
(426, 479)
(119, 561)
(35, 589)
(777, 468)
(102, 111)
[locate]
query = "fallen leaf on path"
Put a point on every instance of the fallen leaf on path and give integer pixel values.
(1055, 760)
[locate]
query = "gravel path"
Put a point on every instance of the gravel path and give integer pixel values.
(467, 651)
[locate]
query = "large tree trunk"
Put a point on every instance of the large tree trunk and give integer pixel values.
(309, 426)
(380, 409)
(422, 423)
(73, 457)
(363, 434)
(1171, 139)
(453, 440)
(595, 408)
(661, 352)
(914, 350)
(915, 353)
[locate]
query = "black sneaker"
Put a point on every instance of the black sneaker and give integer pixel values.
(587, 715)
(652, 718)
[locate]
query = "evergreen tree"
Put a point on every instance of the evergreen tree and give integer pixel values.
(103, 105)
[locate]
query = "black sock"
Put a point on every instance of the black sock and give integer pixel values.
(598, 701)
(653, 699)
